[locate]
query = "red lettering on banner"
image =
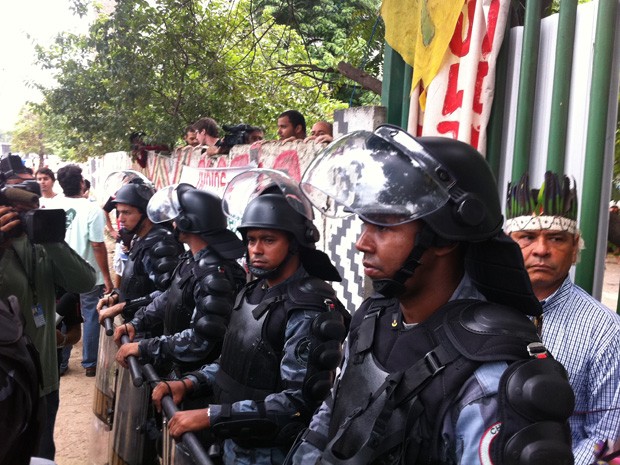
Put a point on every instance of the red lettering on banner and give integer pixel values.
(449, 127)
(475, 137)
(213, 179)
(288, 161)
(241, 160)
(454, 97)
(489, 37)
(483, 71)
(459, 45)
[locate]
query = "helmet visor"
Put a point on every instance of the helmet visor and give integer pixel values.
(245, 187)
(117, 179)
(164, 205)
(385, 177)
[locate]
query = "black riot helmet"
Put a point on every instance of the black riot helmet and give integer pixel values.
(387, 177)
(136, 195)
(201, 211)
(272, 211)
(198, 212)
(269, 199)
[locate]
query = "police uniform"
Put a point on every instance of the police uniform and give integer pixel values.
(470, 382)
(186, 342)
(269, 380)
(147, 272)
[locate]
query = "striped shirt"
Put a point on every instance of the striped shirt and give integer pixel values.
(584, 336)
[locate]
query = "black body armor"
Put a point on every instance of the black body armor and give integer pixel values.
(162, 250)
(180, 303)
(253, 350)
(397, 413)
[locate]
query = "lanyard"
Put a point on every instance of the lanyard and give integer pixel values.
(30, 278)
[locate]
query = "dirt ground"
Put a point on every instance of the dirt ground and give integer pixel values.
(75, 418)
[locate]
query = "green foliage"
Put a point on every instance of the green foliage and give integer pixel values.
(347, 30)
(28, 135)
(158, 65)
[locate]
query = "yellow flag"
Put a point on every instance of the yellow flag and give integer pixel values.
(421, 30)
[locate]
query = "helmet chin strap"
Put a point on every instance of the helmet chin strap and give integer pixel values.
(393, 287)
(136, 228)
(275, 272)
(272, 273)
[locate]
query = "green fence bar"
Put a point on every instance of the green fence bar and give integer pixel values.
(394, 72)
(527, 88)
(495, 128)
(408, 77)
(561, 86)
(595, 139)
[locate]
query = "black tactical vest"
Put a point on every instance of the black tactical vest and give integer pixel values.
(405, 380)
(135, 281)
(180, 302)
(252, 350)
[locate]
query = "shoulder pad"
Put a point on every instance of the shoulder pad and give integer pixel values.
(487, 331)
(208, 262)
(158, 233)
(165, 249)
(311, 291)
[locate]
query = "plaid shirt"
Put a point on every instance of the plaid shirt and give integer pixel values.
(584, 336)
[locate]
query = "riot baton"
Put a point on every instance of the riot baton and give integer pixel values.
(134, 365)
(108, 325)
(190, 440)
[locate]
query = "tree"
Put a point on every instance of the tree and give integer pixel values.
(155, 66)
(336, 36)
(29, 135)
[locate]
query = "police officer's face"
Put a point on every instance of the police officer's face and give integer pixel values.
(267, 248)
(548, 256)
(127, 215)
(386, 248)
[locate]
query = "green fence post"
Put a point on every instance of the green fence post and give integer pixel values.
(527, 89)
(595, 140)
(394, 68)
(556, 152)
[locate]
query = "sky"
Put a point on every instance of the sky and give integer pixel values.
(23, 23)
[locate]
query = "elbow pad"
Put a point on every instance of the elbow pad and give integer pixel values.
(328, 331)
(536, 401)
(164, 256)
(214, 303)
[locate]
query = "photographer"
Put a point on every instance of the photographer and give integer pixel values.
(238, 134)
(31, 270)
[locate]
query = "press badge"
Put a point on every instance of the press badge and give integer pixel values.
(39, 316)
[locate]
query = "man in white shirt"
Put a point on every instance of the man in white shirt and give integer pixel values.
(85, 223)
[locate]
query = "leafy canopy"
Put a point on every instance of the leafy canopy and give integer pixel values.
(159, 65)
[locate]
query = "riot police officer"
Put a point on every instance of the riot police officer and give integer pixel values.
(284, 340)
(442, 363)
(153, 255)
(195, 308)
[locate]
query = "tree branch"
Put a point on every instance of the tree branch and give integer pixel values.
(365, 80)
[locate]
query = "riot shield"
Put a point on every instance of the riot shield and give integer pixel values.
(103, 400)
(129, 429)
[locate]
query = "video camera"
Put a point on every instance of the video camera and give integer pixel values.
(234, 135)
(40, 225)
